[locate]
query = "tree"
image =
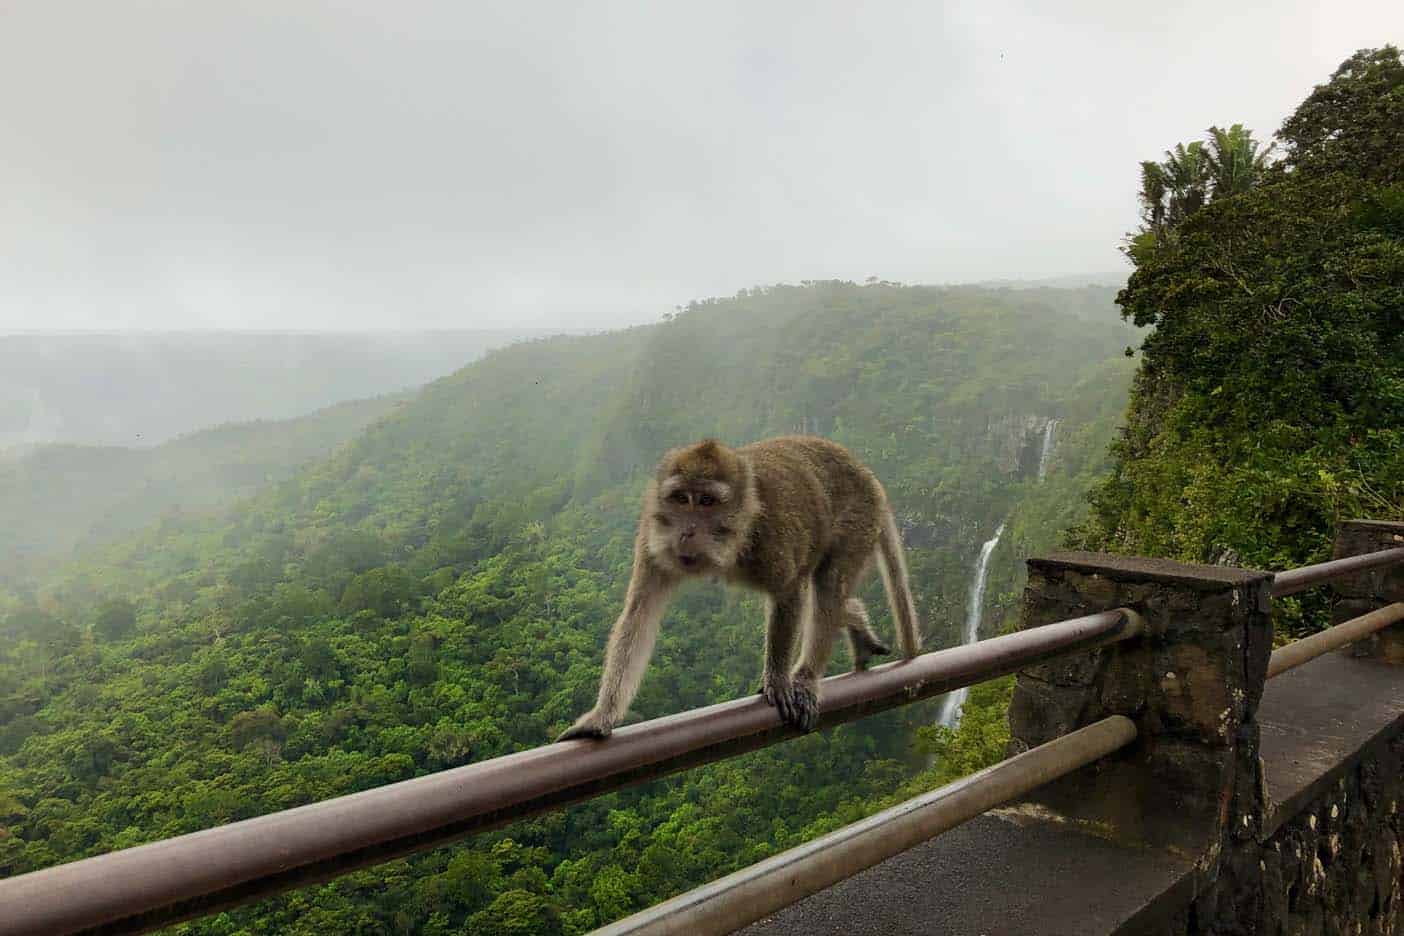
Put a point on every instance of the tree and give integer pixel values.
(212, 674)
(1192, 175)
(386, 591)
(116, 618)
(516, 913)
(1352, 123)
(423, 660)
(1234, 161)
(1174, 188)
(258, 724)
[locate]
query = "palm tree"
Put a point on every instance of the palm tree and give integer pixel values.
(1234, 160)
(1187, 175)
(1153, 189)
(1176, 188)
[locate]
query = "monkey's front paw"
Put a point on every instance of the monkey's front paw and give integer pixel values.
(804, 704)
(796, 700)
(777, 691)
(588, 726)
(774, 688)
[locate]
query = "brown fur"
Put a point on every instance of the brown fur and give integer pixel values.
(796, 517)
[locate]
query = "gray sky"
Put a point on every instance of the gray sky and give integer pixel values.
(301, 164)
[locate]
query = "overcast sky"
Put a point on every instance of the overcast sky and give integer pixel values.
(300, 164)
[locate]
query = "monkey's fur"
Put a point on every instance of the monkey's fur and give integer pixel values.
(796, 517)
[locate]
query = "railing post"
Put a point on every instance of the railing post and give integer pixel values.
(1191, 684)
(1365, 591)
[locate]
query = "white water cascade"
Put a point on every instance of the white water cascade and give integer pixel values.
(974, 610)
(1047, 448)
(975, 605)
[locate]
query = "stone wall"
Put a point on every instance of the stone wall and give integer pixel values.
(1320, 853)
(1365, 591)
(1335, 867)
(1191, 684)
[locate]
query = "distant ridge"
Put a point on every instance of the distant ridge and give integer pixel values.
(60, 496)
(144, 388)
(1062, 281)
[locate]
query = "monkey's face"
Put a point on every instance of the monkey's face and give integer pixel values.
(695, 526)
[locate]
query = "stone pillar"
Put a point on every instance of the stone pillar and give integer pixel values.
(1374, 588)
(1191, 684)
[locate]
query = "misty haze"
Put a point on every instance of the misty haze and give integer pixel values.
(348, 351)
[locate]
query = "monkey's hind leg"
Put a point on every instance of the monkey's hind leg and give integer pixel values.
(832, 584)
(861, 639)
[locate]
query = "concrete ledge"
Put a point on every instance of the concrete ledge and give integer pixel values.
(1318, 722)
(1003, 873)
(1204, 577)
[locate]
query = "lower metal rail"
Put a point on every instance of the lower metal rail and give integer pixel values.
(1309, 648)
(753, 893)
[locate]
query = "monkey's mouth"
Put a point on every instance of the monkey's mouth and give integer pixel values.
(689, 562)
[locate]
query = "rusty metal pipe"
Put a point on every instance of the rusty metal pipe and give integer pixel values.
(155, 885)
(755, 892)
(1296, 580)
(1347, 632)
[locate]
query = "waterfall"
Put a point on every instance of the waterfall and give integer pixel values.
(974, 610)
(975, 603)
(1047, 448)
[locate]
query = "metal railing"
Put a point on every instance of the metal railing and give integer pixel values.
(1298, 580)
(154, 885)
(1348, 632)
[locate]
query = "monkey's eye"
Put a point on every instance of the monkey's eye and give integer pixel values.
(678, 497)
(723, 531)
(663, 520)
(706, 500)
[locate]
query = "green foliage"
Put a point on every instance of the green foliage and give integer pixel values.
(115, 619)
(386, 591)
(1229, 163)
(978, 741)
(1176, 188)
(1351, 123)
(1235, 161)
(1270, 397)
(61, 497)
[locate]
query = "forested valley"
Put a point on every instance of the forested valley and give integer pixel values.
(437, 590)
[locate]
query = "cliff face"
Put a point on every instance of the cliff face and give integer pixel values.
(1017, 441)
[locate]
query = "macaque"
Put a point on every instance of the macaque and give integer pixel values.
(796, 517)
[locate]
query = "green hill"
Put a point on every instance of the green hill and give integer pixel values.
(58, 497)
(437, 592)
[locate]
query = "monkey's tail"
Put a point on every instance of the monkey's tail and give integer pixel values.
(892, 562)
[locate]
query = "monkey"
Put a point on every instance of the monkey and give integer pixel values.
(795, 517)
